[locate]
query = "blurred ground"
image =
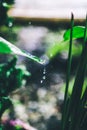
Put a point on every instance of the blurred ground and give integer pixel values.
(53, 10)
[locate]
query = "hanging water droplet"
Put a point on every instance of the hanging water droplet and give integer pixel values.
(41, 61)
(45, 59)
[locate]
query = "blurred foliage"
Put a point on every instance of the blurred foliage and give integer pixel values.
(11, 78)
(5, 103)
(63, 45)
(5, 5)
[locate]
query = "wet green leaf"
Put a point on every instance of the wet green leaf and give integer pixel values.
(8, 48)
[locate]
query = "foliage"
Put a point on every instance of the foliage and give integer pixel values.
(78, 32)
(74, 114)
(8, 48)
(4, 6)
(11, 78)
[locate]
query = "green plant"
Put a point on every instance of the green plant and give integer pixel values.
(63, 45)
(11, 75)
(4, 7)
(75, 105)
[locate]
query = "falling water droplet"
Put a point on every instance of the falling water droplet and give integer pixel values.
(10, 24)
(44, 71)
(44, 77)
(29, 23)
(41, 81)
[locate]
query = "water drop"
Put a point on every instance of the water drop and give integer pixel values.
(45, 59)
(10, 24)
(29, 23)
(41, 61)
(44, 71)
(44, 77)
(41, 81)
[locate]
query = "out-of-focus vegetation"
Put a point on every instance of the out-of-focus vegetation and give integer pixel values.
(5, 5)
(78, 32)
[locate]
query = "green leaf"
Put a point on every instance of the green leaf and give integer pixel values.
(8, 48)
(63, 46)
(78, 32)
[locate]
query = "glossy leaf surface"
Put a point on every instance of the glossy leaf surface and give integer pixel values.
(8, 48)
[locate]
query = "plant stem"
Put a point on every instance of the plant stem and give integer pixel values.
(0, 114)
(85, 33)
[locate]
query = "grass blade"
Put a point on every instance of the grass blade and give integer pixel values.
(68, 75)
(75, 100)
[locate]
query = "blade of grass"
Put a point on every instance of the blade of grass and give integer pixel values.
(82, 110)
(83, 102)
(68, 73)
(72, 110)
(78, 85)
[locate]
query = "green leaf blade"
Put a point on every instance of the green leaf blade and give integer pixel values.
(8, 48)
